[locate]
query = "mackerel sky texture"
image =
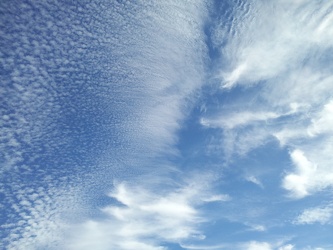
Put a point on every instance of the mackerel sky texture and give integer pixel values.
(166, 125)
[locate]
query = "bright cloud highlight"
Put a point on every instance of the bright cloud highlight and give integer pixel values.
(320, 215)
(146, 219)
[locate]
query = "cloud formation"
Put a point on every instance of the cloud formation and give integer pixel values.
(147, 219)
(322, 215)
(299, 183)
(91, 90)
(98, 91)
(273, 62)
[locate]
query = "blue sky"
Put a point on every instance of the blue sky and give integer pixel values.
(166, 125)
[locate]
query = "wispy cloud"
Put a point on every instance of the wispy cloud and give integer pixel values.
(91, 91)
(100, 90)
(254, 245)
(238, 119)
(147, 217)
(279, 28)
(287, 247)
(268, 246)
(251, 245)
(322, 215)
(277, 51)
(254, 180)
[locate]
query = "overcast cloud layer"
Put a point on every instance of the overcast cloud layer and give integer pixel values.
(166, 125)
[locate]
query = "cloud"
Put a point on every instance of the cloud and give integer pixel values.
(258, 228)
(95, 91)
(146, 217)
(322, 215)
(254, 180)
(276, 84)
(238, 119)
(323, 122)
(170, 68)
(299, 182)
(265, 39)
(287, 247)
(310, 176)
(203, 247)
(35, 216)
(251, 245)
(100, 90)
(254, 245)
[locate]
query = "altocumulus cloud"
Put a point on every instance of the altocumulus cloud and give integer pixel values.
(104, 90)
(92, 90)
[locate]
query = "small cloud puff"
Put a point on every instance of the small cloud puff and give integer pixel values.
(308, 178)
(298, 183)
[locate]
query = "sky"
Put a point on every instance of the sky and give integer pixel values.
(166, 125)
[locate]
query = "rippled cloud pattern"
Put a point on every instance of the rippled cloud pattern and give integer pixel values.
(166, 125)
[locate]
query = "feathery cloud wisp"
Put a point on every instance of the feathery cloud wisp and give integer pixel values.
(274, 61)
(146, 219)
(322, 215)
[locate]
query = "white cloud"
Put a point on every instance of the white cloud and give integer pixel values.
(257, 245)
(203, 247)
(287, 247)
(170, 66)
(258, 228)
(276, 37)
(254, 245)
(254, 180)
(278, 50)
(251, 245)
(36, 220)
(114, 90)
(323, 122)
(310, 175)
(299, 182)
(146, 217)
(221, 197)
(151, 62)
(314, 248)
(238, 119)
(322, 215)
